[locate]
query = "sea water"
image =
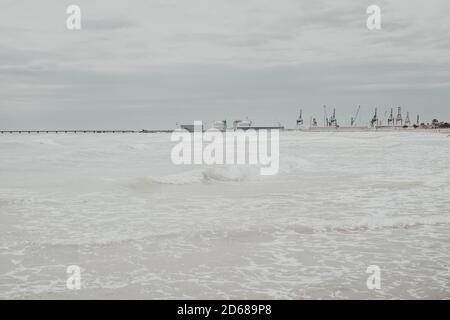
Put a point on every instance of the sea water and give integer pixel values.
(139, 226)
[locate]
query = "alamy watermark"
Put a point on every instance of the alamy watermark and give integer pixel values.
(374, 20)
(374, 280)
(214, 147)
(73, 22)
(73, 281)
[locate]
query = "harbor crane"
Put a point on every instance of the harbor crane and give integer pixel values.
(333, 120)
(384, 118)
(399, 118)
(391, 118)
(374, 120)
(355, 117)
(325, 116)
(300, 120)
(407, 120)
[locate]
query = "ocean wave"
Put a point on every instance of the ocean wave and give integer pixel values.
(231, 173)
(369, 224)
(204, 175)
(186, 177)
(243, 233)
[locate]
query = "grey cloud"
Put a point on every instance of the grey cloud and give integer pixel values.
(178, 92)
(161, 68)
(242, 40)
(13, 56)
(107, 24)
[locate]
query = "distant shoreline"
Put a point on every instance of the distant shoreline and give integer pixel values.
(309, 129)
(368, 129)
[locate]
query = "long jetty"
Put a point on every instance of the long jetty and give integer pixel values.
(83, 131)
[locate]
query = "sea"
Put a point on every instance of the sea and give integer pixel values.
(138, 226)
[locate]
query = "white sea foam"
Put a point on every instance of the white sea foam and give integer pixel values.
(141, 227)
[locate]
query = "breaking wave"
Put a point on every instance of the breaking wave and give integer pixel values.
(231, 173)
(243, 233)
(205, 175)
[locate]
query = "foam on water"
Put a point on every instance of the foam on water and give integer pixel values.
(141, 227)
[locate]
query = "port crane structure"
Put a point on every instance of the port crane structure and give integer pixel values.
(355, 117)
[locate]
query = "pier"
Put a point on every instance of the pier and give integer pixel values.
(81, 131)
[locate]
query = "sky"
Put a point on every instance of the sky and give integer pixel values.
(153, 63)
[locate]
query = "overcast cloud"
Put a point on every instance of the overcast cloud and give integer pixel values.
(149, 64)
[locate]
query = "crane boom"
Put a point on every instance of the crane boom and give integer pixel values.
(353, 119)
